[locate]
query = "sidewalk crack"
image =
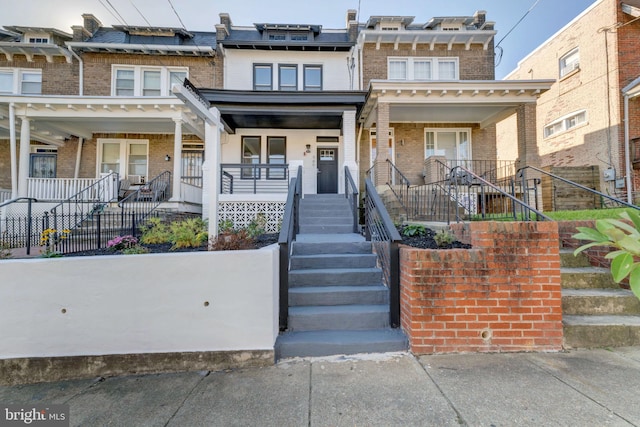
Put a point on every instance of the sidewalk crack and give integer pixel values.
(187, 397)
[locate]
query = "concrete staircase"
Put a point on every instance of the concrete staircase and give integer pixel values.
(337, 302)
(596, 311)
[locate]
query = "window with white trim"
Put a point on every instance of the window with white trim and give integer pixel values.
(20, 81)
(453, 144)
(569, 62)
(146, 81)
(565, 123)
(426, 68)
(128, 157)
(38, 40)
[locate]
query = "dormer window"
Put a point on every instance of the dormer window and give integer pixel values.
(278, 36)
(38, 40)
(299, 37)
(387, 28)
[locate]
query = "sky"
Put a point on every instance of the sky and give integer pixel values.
(544, 17)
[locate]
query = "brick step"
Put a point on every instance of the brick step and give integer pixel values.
(330, 342)
(599, 302)
(303, 262)
(587, 278)
(567, 259)
(339, 317)
(335, 277)
(601, 331)
(338, 295)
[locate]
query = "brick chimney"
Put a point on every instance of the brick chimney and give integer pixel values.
(479, 18)
(91, 23)
(223, 29)
(352, 25)
(80, 34)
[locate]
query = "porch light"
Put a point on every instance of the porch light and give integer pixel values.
(308, 148)
(167, 158)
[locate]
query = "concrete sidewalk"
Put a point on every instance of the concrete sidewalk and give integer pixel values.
(578, 388)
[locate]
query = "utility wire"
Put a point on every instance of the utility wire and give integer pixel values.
(519, 21)
(141, 14)
(111, 12)
(179, 19)
(118, 13)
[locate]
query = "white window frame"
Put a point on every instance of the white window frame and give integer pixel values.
(458, 131)
(566, 123)
(435, 66)
(17, 76)
(138, 76)
(569, 62)
(123, 164)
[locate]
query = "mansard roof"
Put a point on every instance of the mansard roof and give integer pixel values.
(153, 36)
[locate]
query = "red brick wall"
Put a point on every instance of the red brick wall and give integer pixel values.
(596, 255)
(503, 295)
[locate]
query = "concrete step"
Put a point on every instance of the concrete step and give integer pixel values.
(313, 244)
(586, 278)
(338, 295)
(326, 229)
(302, 262)
(325, 343)
(335, 277)
(567, 259)
(339, 317)
(599, 302)
(327, 220)
(601, 331)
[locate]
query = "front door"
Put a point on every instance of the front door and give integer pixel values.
(327, 170)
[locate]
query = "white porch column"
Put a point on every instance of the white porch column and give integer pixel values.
(23, 164)
(13, 150)
(350, 146)
(177, 161)
(211, 172)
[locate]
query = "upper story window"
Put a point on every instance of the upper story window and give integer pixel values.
(288, 77)
(146, 81)
(278, 36)
(299, 37)
(20, 81)
(565, 123)
(38, 40)
(413, 68)
(569, 62)
(313, 77)
(262, 77)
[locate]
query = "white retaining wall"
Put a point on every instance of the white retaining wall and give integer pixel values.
(131, 304)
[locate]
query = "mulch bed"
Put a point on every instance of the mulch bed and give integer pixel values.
(427, 241)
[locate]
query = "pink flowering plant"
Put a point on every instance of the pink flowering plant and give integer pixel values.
(120, 243)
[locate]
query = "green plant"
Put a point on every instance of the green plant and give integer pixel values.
(414, 230)
(443, 238)
(189, 233)
(257, 226)
(134, 250)
(155, 231)
(122, 242)
(4, 251)
(225, 226)
(623, 236)
(49, 238)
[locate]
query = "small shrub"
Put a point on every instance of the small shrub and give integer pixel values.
(232, 241)
(225, 226)
(189, 233)
(154, 232)
(5, 253)
(257, 226)
(49, 238)
(443, 238)
(414, 230)
(134, 250)
(122, 242)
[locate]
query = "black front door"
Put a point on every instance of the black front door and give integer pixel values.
(327, 170)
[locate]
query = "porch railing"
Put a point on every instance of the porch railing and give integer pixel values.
(60, 188)
(238, 178)
(380, 230)
(4, 195)
(288, 231)
(145, 199)
(399, 185)
(351, 193)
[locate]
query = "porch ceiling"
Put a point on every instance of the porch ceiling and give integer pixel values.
(481, 102)
(54, 119)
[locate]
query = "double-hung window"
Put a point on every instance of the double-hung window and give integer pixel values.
(313, 77)
(569, 62)
(262, 77)
(398, 69)
(453, 144)
(276, 155)
(251, 147)
(415, 68)
(146, 81)
(288, 77)
(20, 81)
(128, 157)
(565, 123)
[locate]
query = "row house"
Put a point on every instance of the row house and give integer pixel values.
(589, 117)
(228, 115)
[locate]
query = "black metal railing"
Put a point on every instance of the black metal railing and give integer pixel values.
(239, 178)
(146, 198)
(490, 170)
(17, 228)
(399, 185)
(380, 230)
(288, 231)
(351, 193)
(559, 193)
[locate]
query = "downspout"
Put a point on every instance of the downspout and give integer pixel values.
(13, 150)
(80, 71)
(76, 173)
(627, 162)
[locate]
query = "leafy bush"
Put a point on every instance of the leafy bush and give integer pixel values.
(414, 230)
(225, 226)
(135, 250)
(189, 233)
(232, 241)
(154, 232)
(4, 251)
(122, 242)
(623, 236)
(443, 238)
(257, 226)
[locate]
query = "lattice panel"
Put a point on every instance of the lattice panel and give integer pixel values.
(242, 213)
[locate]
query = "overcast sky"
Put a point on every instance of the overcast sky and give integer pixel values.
(546, 17)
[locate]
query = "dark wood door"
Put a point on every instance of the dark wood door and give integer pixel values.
(327, 170)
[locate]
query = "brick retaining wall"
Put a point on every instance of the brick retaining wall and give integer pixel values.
(503, 295)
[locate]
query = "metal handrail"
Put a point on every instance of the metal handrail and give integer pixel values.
(351, 193)
(380, 230)
(29, 221)
(288, 231)
(404, 185)
(147, 198)
(229, 177)
(520, 173)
